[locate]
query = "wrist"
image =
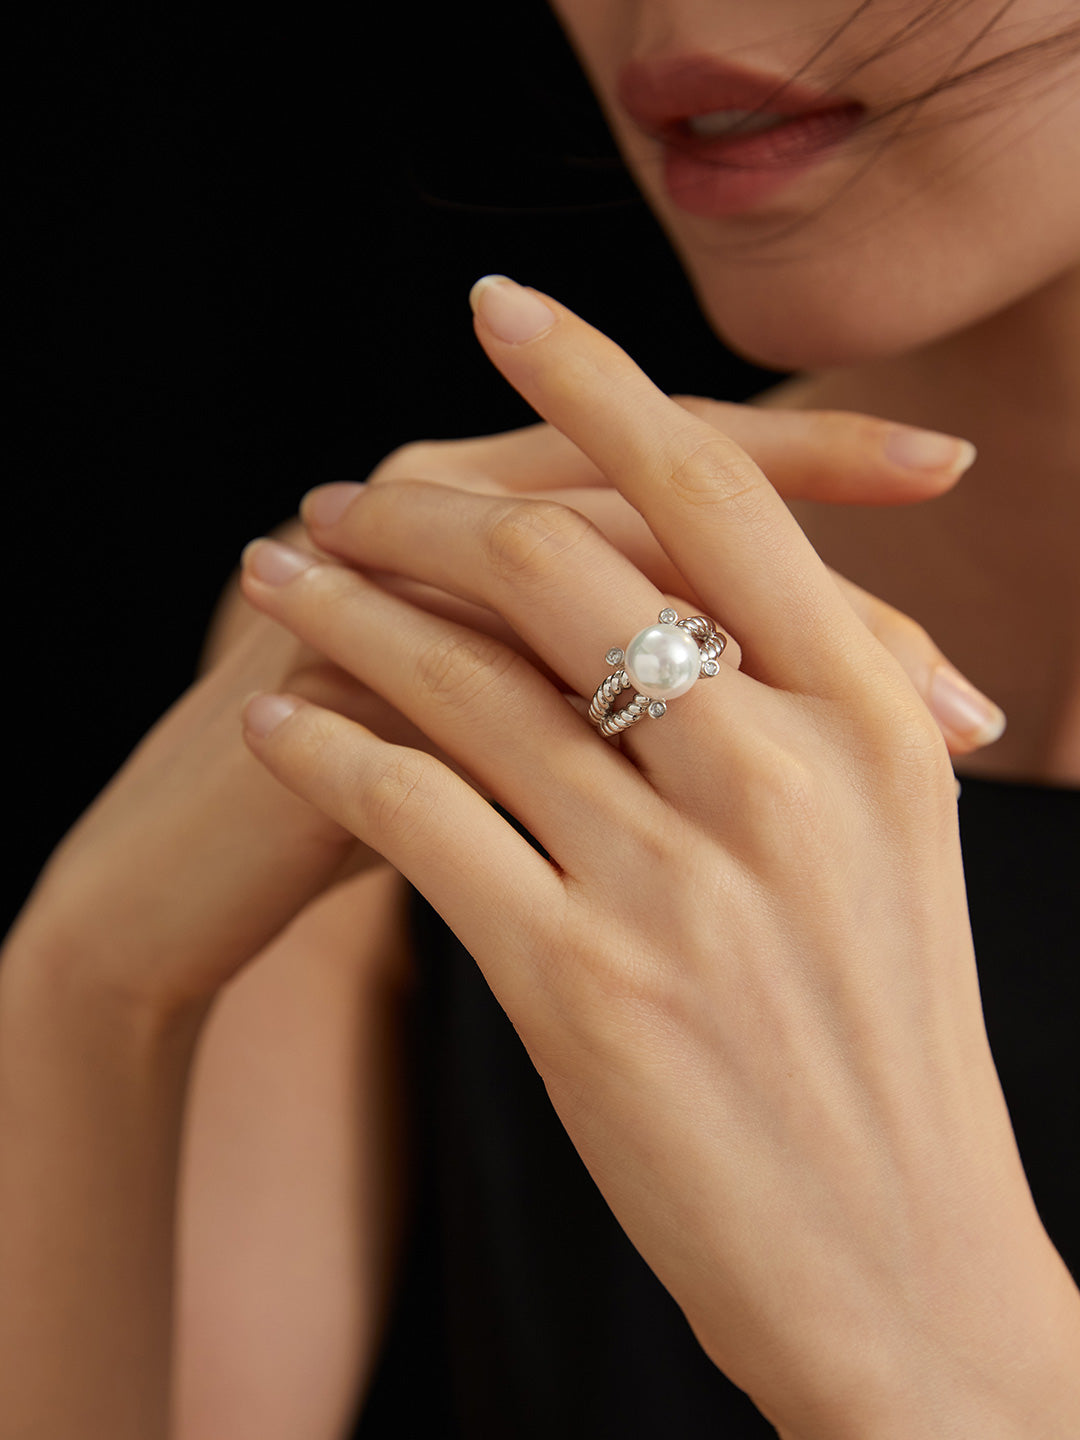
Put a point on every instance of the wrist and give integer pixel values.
(1000, 1360)
(44, 983)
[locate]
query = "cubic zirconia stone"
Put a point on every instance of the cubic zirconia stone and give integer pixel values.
(668, 617)
(657, 708)
(614, 656)
(710, 667)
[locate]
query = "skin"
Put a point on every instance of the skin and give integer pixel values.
(890, 302)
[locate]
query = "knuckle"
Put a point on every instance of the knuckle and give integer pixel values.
(904, 673)
(313, 747)
(408, 462)
(899, 633)
(894, 730)
(913, 769)
(837, 429)
(792, 793)
(329, 593)
(914, 742)
(792, 814)
(527, 535)
(400, 800)
(712, 473)
(458, 669)
(697, 405)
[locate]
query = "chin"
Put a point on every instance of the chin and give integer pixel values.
(796, 322)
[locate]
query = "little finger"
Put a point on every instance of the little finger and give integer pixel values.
(443, 837)
(968, 719)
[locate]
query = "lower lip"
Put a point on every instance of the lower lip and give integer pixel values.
(697, 174)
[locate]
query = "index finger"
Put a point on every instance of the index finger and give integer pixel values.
(710, 506)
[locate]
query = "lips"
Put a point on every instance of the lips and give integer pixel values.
(717, 175)
(663, 93)
(791, 142)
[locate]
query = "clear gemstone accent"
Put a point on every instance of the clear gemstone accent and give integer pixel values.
(614, 656)
(657, 708)
(710, 667)
(668, 617)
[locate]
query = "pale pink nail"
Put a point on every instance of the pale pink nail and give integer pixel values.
(274, 563)
(326, 505)
(263, 714)
(512, 313)
(914, 449)
(964, 710)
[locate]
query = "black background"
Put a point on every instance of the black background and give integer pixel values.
(245, 244)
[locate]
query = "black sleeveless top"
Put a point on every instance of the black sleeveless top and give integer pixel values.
(523, 1310)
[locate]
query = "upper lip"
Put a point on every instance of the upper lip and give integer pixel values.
(661, 94)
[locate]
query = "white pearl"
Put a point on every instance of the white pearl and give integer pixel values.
(663, 661)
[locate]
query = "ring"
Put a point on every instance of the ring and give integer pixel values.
(660, 663)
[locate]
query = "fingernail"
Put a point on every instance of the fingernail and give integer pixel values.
(512, 313)
(274, 563)
(963, 709)
(914, 449)
(264, 713)
(326, 505)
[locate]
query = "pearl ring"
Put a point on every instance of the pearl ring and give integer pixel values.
(660, 663)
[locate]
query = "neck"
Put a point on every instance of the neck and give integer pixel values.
(990, 569)
(1011, 384)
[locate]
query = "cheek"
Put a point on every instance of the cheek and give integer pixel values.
(593, 29)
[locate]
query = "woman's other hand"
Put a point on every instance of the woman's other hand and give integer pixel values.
(193, 858)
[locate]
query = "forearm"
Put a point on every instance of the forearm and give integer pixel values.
(91, 1104)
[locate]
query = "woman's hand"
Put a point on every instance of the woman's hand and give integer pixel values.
(193, 857)
(830, 456)
(745, 973)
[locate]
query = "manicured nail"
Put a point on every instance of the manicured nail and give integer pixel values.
(914, 449)
(963, 709)
(274, 563)
(512, 313)
(264, 713)
(326, 505)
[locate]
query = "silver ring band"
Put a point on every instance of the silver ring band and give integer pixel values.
(659, 667)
